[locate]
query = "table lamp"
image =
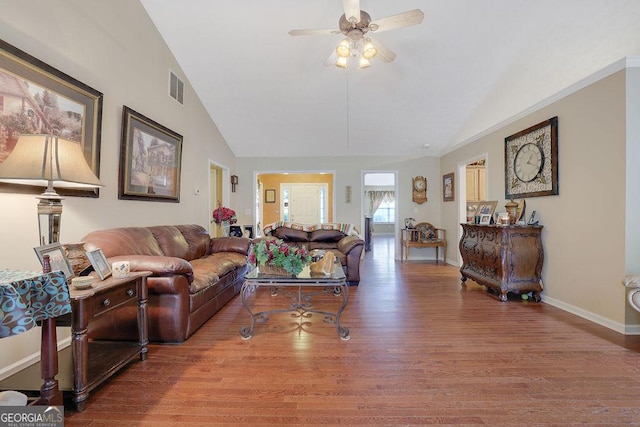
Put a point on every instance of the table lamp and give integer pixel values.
(48, 161)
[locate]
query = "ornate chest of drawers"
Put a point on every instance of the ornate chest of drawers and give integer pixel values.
(505, 259)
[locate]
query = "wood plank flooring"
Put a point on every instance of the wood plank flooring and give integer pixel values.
(424, 350)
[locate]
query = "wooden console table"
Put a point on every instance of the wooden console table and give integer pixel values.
(87, 363)
(506, 259)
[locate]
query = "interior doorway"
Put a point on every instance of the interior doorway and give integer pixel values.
(474, 186)
(217, 195)
(379, 213)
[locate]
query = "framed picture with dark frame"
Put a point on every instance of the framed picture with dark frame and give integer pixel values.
(485, 219)
(57, 258)
(39, 99)
(150, 160)
(448, 187)
(99, 263)
(270, 196)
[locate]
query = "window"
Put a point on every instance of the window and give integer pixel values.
(386, 212)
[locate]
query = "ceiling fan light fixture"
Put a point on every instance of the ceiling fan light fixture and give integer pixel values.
(364, 62)
(341, 62)
(369, 50)
(343, 49)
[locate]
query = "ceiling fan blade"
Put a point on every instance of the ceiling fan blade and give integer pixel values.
(384, 53)
(412, 17)
(313, 32)
(352, 10)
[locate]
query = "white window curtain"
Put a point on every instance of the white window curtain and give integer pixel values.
(376, 197)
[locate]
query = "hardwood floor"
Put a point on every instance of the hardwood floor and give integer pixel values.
(423, 350)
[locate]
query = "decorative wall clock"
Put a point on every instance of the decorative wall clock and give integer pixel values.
(419, 189)
(531, 161)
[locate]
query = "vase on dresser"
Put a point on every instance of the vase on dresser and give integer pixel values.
(225, 225)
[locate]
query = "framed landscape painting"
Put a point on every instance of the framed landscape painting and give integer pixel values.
(39, 99)
(150, 156)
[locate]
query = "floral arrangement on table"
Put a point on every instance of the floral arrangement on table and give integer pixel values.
(276, 253)
(221, 214)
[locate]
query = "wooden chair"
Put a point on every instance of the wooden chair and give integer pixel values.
(425, 235)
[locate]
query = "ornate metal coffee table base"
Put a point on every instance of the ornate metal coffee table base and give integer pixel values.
(301, 302)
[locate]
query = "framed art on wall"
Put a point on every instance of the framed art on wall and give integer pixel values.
(150, 156)
(270, 196)
(531, 161)
(57, 258)
(448, 190)
(39, 99)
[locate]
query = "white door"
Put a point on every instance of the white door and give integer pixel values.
(305, 203)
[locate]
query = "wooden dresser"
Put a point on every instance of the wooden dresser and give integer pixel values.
(505, 259)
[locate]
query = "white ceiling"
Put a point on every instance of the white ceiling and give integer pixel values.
(469, 66)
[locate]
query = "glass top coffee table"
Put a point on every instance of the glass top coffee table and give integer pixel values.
(301, 302)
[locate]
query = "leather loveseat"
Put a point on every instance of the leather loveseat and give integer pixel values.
(342, 239)
(194, 275)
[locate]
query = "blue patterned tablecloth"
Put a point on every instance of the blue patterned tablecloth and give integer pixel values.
(29, 297)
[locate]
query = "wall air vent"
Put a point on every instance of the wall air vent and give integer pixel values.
(176, 88)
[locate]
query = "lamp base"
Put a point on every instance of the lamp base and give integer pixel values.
(49, 217)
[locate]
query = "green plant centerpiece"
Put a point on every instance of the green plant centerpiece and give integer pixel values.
(277, 253)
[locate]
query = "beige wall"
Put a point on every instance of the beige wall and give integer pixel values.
(632, 218)
(113, 47)
(348, 171)
(584, 226)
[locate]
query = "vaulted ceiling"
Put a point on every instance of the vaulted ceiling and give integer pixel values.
(471, 65)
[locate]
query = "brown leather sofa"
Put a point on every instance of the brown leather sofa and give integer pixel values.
(347, 248)
(193, 276)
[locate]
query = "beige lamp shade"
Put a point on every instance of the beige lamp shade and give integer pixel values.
(41, 160)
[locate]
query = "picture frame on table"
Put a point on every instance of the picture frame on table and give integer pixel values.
(270, 196)
(99, 263)
(150, 160)
(57, 258)
(486, 207)
(485, 219)
(448, 187)
(36, 94)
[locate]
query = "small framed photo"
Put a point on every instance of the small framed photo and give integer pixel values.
(57, 259)
(99, 263)
(486, 207)
(485, 219)
(448, 187)
(270, 196)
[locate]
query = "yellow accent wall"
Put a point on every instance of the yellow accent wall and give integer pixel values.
(272, 181)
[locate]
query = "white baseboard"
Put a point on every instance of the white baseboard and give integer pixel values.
(29, 360)
(596, 318)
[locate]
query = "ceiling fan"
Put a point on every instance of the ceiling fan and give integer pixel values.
(355, 24)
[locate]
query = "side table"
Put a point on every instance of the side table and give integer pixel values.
(86, 364)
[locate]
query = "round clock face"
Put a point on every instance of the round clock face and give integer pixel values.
(528, 162)
(419, 185)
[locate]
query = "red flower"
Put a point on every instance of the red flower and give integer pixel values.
(224, 214)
